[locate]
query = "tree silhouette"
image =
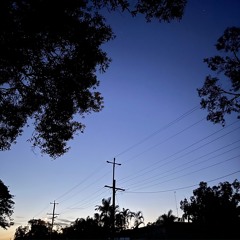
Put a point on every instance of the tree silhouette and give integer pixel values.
(82, 228)
(49, 65)
(166, 219)
(21, 233)
(138, 219)
(221, 99)
(214, 206)
(38, 229)
(6, 206)
(123, 219)
(106, 211)
(97, 218)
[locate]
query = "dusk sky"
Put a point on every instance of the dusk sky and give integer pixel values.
(151, 123)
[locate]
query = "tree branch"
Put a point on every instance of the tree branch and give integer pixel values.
(230, 93)
(235, 54)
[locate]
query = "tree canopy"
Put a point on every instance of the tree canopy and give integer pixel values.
(37, 229)
(223, 97)
(6, 206)
(217, 205)
(97, 227)
(49, 65)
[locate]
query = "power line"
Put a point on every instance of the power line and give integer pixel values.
(187, 162)
(181, 188)
(43, 210)
(80, 183)
(167, 175)
(159, 130)
(167, 139)
(86, 201)
(182, 164)
(144, 170)
(204, 168)
(86, 187)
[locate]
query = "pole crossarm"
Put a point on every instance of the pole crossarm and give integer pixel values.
(120, 189)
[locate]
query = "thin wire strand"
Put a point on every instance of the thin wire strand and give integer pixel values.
(180, 170)
(201, 169)
(159, 130)
(144, 170)
(181, 188)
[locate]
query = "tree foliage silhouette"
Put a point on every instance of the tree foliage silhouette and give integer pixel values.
(6, 206)
(221, 99)
(166, 219)
(217, 205)
(83, 228)
(138, 219)
(21, 233)
(123, 219)
(106, 211)
(36, 229)
(49, 65)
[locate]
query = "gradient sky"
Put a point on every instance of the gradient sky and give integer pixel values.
(152, 123)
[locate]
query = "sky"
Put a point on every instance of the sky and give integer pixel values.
(151, 124)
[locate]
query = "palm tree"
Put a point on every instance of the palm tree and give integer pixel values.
(138, 219)
(123, 218)
(106, 212)
(128, 215)
(166, 218)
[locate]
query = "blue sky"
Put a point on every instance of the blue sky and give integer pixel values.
(152, 123)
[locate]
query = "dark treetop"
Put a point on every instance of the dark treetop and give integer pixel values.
(50, 52)
(221, 99)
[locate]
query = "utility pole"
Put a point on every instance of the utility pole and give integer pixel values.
(114, 189)
(53, 214)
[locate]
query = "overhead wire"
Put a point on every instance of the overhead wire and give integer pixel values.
(198, 170)
(153, 167)
(80, 183)
(86, 187)
(86, 201)
(159, 130)
(40, 212)
(184, 155)
(165, 140)
(157, 177)
(181, 188)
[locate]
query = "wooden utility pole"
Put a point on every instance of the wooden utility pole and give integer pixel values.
(114, 189)
(53, 214)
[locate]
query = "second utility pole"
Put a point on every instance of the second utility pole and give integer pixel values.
(114, 189)
(53, 217)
